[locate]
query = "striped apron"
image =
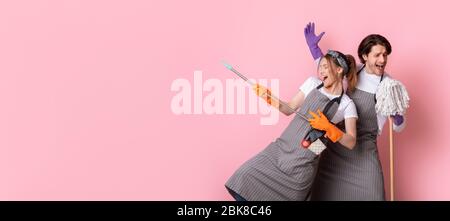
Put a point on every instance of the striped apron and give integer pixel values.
(356, 174)
(284, 170)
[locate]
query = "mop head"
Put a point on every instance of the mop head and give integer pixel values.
(392, 98)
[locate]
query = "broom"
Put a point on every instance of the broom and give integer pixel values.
(392, 98)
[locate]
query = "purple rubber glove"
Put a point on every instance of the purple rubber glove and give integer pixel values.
(312, 40)
(398, 119)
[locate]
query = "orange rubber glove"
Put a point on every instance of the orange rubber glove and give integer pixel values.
(321, 122)
(265, 93)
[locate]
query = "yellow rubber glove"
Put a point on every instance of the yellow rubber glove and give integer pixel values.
(321, 122)
(265, 93)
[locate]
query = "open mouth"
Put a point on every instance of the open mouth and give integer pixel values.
(381, 67)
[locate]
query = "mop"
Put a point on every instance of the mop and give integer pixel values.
(392, 98)
(317, 145)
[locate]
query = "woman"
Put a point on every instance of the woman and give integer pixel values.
(356, 174)
(284, 170)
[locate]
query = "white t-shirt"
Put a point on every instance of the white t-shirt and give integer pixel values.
(346, 108)
(369, 83)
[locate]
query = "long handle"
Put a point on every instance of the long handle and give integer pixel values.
(229, 67)
(391, 161)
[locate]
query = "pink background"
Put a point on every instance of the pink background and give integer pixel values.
(85, 92)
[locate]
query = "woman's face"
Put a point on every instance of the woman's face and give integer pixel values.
(326, 74)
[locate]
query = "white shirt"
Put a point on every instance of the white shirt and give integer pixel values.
(346, 108)
(369, 83)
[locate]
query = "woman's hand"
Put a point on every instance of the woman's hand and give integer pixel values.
(313, 40)
(321, 122)
(265, 94)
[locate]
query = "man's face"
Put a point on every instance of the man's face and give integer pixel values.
(376, 60)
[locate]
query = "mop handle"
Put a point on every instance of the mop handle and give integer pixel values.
(229, 67)
(391, 159)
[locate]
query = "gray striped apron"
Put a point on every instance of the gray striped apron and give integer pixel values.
(356, 174)
(284, 170)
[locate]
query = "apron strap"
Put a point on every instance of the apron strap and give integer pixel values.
(330, 103)
(319, 86)
(381, 79)
(359, 71)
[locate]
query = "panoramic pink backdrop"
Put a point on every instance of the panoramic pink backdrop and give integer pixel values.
(85, 91)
